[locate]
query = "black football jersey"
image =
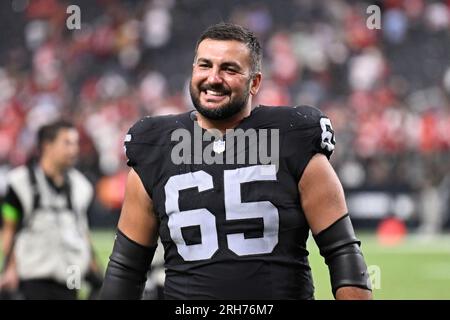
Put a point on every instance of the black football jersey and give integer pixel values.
(231, 229)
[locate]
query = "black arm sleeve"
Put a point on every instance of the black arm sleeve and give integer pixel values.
(341, 250)
(127, 268)
(310, 132)
(11, 208)
(11, 199)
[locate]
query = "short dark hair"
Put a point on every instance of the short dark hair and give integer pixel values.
(49, 132)
(230, 31)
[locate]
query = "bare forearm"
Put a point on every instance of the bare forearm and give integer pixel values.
(7, 236)
(353, 293)
(7, 246)
(12, 262)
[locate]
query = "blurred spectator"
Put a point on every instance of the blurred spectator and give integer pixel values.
(45, 234)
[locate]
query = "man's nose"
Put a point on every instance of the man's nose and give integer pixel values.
(214, 76)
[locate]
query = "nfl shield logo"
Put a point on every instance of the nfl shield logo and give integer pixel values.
(219, 146)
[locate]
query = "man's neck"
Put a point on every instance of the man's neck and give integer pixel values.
(52, 171)
(223, 125)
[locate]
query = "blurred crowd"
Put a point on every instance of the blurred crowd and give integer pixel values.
(386, 91)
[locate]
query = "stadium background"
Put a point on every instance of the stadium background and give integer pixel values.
(386, 91)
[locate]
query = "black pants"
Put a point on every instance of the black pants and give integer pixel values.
(46, 289)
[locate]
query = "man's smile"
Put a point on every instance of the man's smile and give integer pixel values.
(213, 95)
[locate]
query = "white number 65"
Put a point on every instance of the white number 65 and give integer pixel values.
(234, 209)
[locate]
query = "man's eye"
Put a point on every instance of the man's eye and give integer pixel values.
(230, 70)
(203, 65)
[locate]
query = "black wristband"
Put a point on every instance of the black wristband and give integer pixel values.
(127, 269)
(341, 250)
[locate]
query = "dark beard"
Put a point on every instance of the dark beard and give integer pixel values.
(235, 106)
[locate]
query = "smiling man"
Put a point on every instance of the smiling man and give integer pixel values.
(234, 230)
(224, 78)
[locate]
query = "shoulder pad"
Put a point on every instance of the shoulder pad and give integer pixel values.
(307, 116)
(152, 129)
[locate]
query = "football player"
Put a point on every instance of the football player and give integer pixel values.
(234, 229)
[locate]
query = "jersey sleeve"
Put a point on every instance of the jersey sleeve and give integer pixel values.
(144, 143)
(311, 132)
(136, 140)
(11, 207)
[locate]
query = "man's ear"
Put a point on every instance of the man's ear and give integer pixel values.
(256, 83)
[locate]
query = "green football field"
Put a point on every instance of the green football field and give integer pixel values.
(416, 269)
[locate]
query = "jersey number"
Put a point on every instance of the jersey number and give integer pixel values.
(328, 140)
(234, 209)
